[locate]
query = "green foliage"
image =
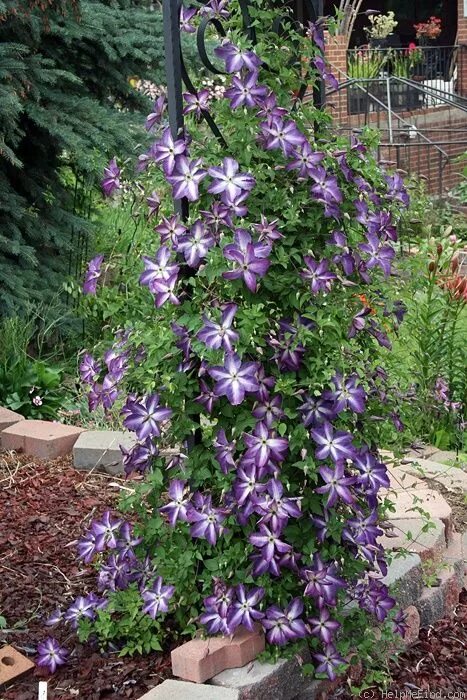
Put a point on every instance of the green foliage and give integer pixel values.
(29, 385)
(432, 347)
(66, 106)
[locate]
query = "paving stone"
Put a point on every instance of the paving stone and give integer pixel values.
(12, 664)
(452, 478)
(100, 449)
(428, 545)
(40, 438)
(182, 690)
(8, 418)
(201, 659)
(405, 578)
(262, 681)
(407, 503)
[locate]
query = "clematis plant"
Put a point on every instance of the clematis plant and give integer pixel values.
(264, 330)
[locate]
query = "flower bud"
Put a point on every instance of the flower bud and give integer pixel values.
(439, 248)
(455, 264)
(432, 266)
(453, 239)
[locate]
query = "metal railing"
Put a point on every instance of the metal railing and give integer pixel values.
(423, 76)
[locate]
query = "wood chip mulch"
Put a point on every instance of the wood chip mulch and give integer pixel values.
(43, 507)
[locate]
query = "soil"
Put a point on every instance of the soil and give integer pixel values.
(44, 507)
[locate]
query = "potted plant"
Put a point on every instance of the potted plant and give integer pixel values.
(403, 64)
(381, 27)
(367, 64)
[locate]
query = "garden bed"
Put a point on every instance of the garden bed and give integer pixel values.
(45, 506)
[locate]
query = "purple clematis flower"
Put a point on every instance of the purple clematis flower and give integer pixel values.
(185, 178)
(234, 379)
(224, 452)
(51, 655)
(138, 457)
(177, 509)
(219, 335)
(284, 626)
(158, 268)
(219, 215)
(269, 410)
(153, 202)
(324, 626)
(328, 661)
(247, 485)
(166, 151)
(160, 105)
(207, 522)
(347, 394)
(171, 230)
(274, 509)
(106, 531)
(263, 445)
(245, 91)
(326, 190)
(399, 623)
(93, 274)
(197, 103)
(267, 231)
(315, 32)
(163, 291)
(336, 485)
(280, 134)
(217, 608)
(318, 274)
(115, 574)
(186, 15)
(216, 8)
(89, 369)
(378, 254)
(81, 607)
(196, 243)
(305, 159)
(373, 475)
(316, 411)
(143, 416)
(243, 610)
(228, 181)
(250, 259)
(156, 599)
(269, 108)
(322, 581)
(111, 181)
(326, 74)
(207, 398)
(269, 543)
(289, 353)
(335, 444)
(236, 58)
(358, 322)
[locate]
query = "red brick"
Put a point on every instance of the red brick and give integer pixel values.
(8, 418)
(12, 664)
(40, 438)
(201, 659)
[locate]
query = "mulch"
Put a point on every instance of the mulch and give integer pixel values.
(44, 506)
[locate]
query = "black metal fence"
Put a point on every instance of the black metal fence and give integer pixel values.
(419, 77)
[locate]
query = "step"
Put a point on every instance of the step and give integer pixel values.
(182, 690)
(405, 577)
(7, 419)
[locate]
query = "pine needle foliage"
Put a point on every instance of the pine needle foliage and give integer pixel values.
(67, 104)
